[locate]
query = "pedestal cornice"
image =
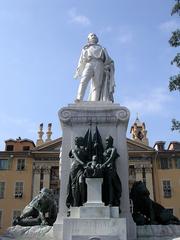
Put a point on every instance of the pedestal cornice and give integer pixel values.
(93, 112)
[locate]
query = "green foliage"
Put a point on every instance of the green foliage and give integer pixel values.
(176, 60)
(174, 83)
(175, 125)
(175, 38)
(176, 8)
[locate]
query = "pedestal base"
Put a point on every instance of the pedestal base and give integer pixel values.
(94, 229)
(112, 120)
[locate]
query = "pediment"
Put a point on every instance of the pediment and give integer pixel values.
(137, 146)
(52, 146)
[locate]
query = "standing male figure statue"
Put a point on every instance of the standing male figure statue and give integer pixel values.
(96, 65)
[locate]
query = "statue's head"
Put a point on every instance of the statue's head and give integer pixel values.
(109, 141)
(79, 141)
(46, 191)
(92, 38)
(139, 189)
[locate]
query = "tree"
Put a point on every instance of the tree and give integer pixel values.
(174, 83)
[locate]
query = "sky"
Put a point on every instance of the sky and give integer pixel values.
(40, 44)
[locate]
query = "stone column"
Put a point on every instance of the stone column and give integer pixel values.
(138, 171)
(36, 180)
(46, 181)
(149, 181)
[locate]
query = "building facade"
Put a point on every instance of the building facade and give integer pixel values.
(167, 176)
(141, 159)
(46, 167)
(16, 165)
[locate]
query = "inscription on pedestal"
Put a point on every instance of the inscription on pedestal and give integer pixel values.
(106, 228)
(95, 238)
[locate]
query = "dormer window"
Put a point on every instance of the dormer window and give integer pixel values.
(9, 147)
(26, 148)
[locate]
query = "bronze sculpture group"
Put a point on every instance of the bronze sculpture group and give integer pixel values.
(91, 160)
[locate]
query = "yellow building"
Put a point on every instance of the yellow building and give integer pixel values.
(167, 176)
(16, 166)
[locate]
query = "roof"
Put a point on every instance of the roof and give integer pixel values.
(53, 145)
(138, 146)
(20, 140)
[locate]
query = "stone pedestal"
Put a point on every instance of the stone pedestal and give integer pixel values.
(111, 119)
(94, 207)
(94, 190)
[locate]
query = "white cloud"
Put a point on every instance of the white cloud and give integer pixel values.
(13, 127)
(125, 37)
(18, 123)
(106, 29)
(77, 18)
(124, 34)
(169, 26)
(151, 102)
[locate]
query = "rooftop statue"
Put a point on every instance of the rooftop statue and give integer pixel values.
(42, 210)
(96, 65)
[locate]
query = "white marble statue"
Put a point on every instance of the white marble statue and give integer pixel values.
(96, 65)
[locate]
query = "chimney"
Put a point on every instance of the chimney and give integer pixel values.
(159, 146)
(49, 132)
(174, 146)
(40, 135)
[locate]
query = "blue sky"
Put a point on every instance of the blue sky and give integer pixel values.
(40, 43)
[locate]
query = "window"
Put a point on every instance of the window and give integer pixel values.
(16, 213)
(9, 148)
(165, 163)
(177, 162)
(2, 189)
(54, 173)
(4, 164)
(20, 165)
(18, 190)
(1, 218)
(167, 189)
(26, 148)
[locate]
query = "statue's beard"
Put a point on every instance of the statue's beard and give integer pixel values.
(92, 42)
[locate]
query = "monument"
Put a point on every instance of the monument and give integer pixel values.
(94, 195)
